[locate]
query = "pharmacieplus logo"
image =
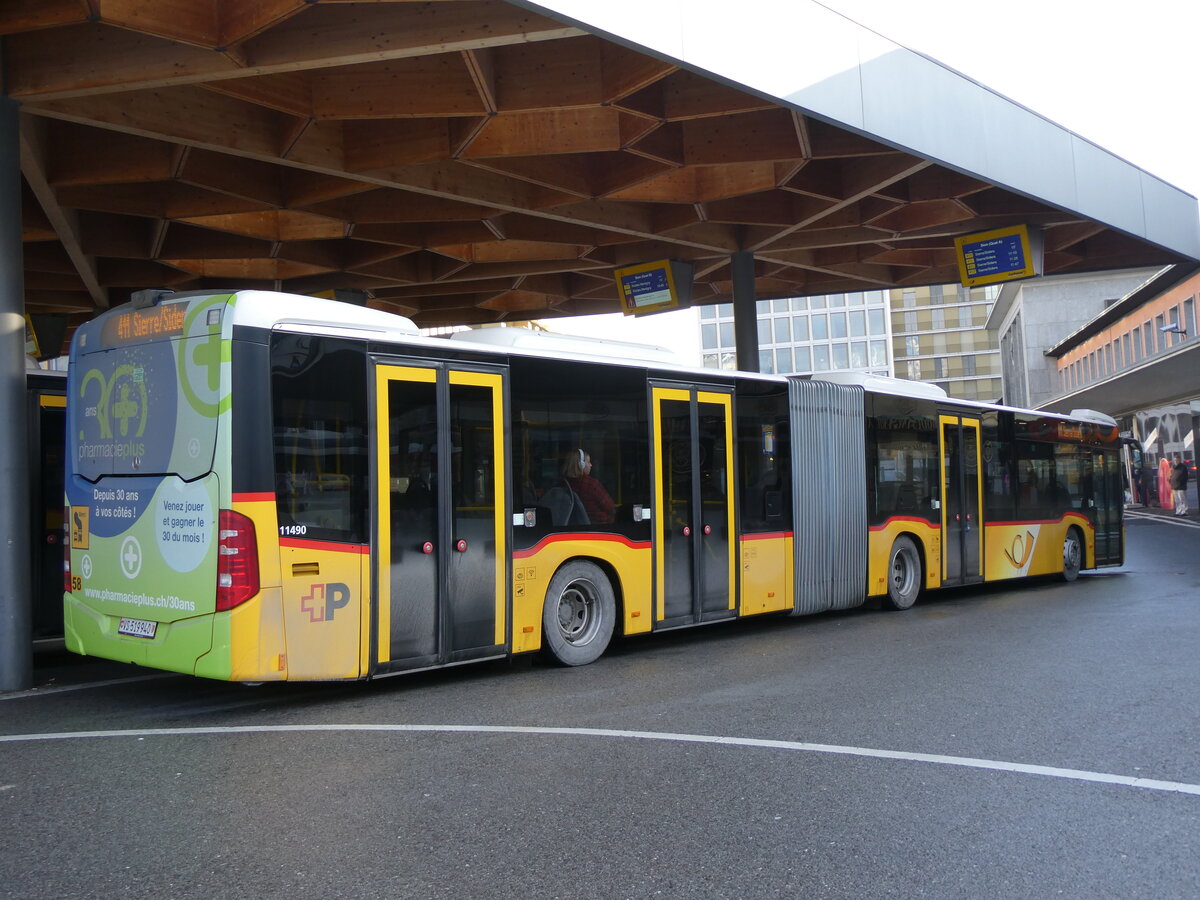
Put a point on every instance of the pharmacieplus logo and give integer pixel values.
(119, 409)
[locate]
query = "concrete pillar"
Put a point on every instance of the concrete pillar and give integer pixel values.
(16, 611)
(745, 311)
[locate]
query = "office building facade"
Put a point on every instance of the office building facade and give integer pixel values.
(931, 333)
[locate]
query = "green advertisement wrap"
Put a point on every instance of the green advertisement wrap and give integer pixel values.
(147, 413)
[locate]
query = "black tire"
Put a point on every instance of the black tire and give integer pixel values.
(903, 575)
(579, 615)
(1072, 555)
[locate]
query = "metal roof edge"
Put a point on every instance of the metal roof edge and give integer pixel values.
(857, 79)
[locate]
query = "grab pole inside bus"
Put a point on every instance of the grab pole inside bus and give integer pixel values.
(16, 604)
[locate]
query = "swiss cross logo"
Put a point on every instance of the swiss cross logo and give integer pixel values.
(323, 599)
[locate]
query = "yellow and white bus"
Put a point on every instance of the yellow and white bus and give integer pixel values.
(265, 487)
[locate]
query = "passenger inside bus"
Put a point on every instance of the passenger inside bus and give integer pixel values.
(577, 469)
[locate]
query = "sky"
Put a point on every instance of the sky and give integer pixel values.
(1124, 74)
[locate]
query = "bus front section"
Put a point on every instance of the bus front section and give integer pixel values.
(156, 558)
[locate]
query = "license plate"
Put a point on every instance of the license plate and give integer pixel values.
(137, 628)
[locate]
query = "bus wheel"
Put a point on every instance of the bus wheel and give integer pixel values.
(904, 574)
(579, 615)
(1072, 555)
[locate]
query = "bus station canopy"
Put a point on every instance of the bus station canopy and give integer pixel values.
(466, 161)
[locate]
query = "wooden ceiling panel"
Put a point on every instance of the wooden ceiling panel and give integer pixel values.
(439, 85)
(463, 160)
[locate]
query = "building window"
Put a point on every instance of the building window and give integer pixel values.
(837, 325)
(783, 360)
(821, 358)
(858, 355)
(803, 360)
(816, 302)
(914, 370)
(783, 330)
(858, 323)
(708, 312)
(1127, 347)
(841, 356)
(708, 337)
(939, 318)
(875, 320)
(727, 334)
(855, 299)
(941, 367)
(1189, 317)
(910, 321)
(766, 362)
(912, 346)
(1177, 321)
(800, 328)
(764, 331)
(936, 294)
(908, 299)
(1108, 359)
(968, 365)
(1160, 339)
(1147, 341)
(820, 328)
(878, 353)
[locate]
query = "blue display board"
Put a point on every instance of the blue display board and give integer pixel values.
(1004, 254)
(654, 287)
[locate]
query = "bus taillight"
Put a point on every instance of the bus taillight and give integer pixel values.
(237, 560)
(67, 588)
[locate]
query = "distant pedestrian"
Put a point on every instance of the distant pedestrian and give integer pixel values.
(1179, 480)
(1164, 482)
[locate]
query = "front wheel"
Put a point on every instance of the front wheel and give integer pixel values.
(579, 615)
(1072, 555)
(904, 574)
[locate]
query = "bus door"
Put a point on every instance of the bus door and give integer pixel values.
(1105, 503)
(962, 490)
(441, 555)
(693, 506)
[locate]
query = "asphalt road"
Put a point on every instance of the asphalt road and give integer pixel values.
(1030, 741)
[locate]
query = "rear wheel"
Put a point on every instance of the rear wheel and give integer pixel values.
(579, 615)
(1072, 555)
(904, 574)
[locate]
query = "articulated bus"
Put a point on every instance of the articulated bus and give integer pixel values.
(267, 487)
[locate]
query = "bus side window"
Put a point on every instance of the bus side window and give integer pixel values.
(318, 406)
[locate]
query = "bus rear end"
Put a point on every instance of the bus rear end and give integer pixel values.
(153, 551)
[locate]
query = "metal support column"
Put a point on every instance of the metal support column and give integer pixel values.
(16, 610)
(745, 311)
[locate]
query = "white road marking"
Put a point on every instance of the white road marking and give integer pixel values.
(67, 688)
(1148, 784)
(1166, 520)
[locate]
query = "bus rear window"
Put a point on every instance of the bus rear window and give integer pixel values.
(131, 414)
(319, 413)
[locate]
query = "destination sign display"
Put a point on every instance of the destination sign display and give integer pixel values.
(654, 287)
(1004, 254)
(165, 320)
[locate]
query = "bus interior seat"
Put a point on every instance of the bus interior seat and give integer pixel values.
(565, 506)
